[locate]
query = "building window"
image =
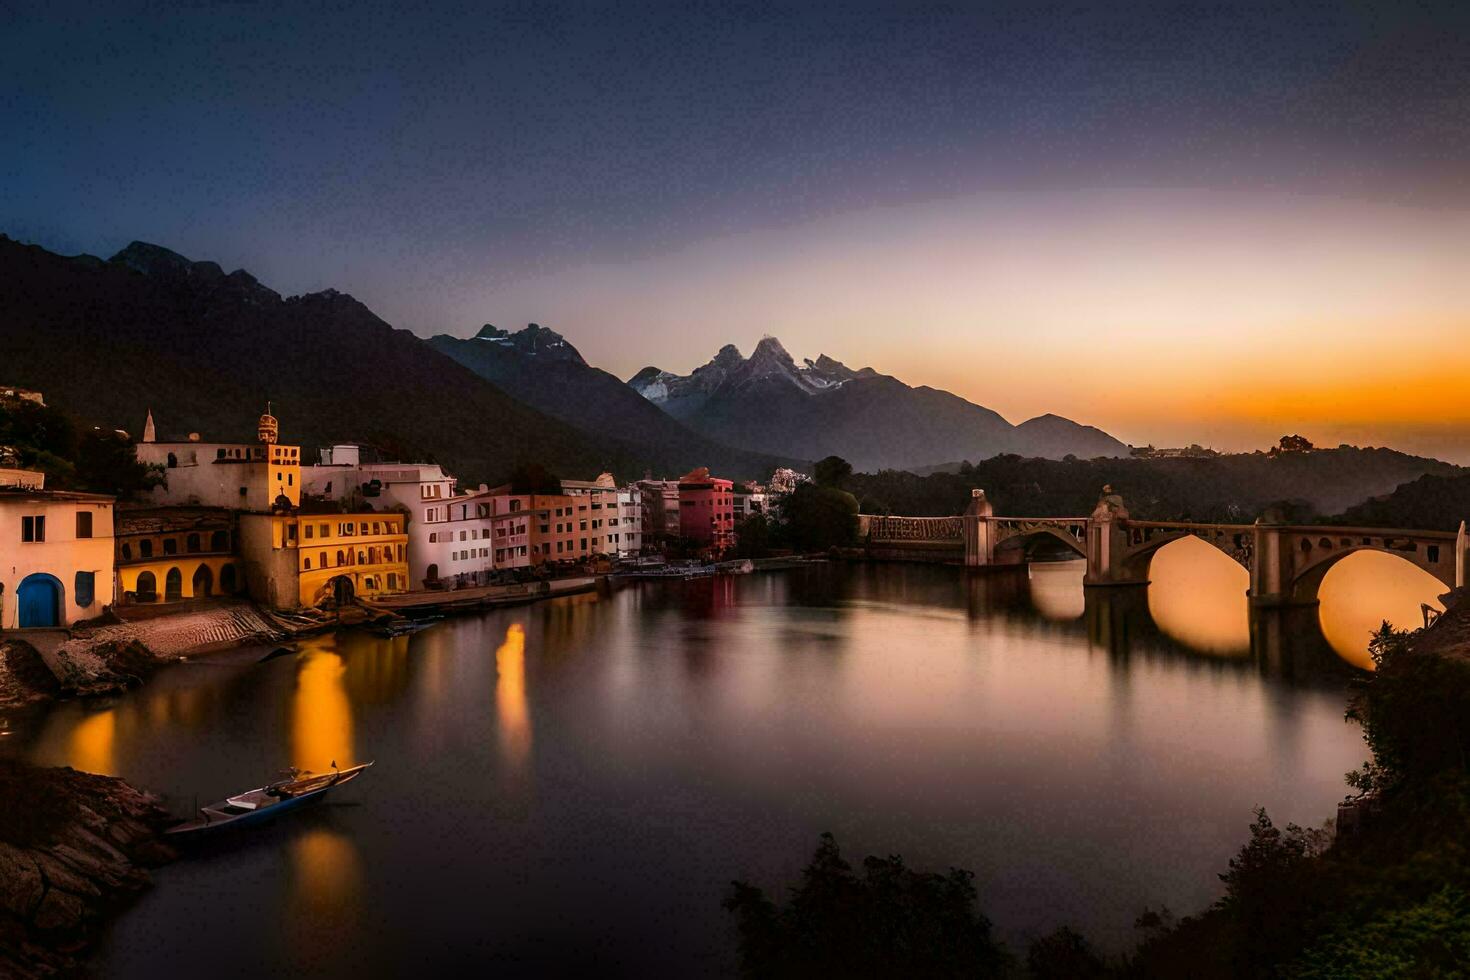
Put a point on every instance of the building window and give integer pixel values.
(170, 546)
(84, 530)
(220, 541)
(85, 591)
(310, 528)
(33, 528)
(321, 559)
(145, 548)
(191, 544)
(306, 564)
(127, 552)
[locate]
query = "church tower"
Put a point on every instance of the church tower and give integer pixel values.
(149, 435)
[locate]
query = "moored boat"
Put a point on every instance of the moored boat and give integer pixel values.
(256, 806)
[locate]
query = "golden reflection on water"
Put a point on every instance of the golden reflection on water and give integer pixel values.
(510, 696)
(326, 882)
(92, 741)
(1364, 589)
(1197, 595)
(1056, 589)
(321, 714)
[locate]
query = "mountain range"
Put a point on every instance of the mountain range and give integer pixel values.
(821, 407)
(542, 369)
(204, 350)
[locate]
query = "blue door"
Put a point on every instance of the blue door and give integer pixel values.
(39, 597)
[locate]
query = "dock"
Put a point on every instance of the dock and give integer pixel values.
(441, 601)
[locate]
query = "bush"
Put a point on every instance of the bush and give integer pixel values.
(890, 921)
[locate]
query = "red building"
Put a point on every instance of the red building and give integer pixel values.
(707, 510)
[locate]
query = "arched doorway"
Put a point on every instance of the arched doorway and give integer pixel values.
(39, 598)
(433, 573)
(173, 585)
(203, 581)
(227, 583)
(147, 589)
(342, 590)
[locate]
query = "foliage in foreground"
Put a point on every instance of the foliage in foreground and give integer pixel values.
(1392, 900)
(1388, 901)
(887, 921)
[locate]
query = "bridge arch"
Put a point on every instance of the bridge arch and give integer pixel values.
(1324, 554)
(1144, 541)
(1021, 543)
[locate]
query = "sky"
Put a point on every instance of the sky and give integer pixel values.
(1213, 223)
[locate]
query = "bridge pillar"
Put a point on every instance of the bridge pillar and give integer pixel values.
(1462, 558)
(1271, 566)
(979, 545)
(1107, 543)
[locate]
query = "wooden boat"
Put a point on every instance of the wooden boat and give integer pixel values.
(256, 806)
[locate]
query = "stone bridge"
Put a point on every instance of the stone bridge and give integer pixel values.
(1286, 562)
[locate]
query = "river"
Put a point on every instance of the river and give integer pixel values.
(569, 786)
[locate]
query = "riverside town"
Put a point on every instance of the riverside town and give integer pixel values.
(343, 536)
(885, 490)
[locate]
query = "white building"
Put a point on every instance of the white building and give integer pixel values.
(56, 555)
(252, 476)
(451, 538)
(627, 541)
(750, 499)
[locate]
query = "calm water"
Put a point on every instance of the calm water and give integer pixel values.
(570, 785)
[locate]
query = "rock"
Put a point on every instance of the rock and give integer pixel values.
(73, 856)
(22, 885)
(61, 914)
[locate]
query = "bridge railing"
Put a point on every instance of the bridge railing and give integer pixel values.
(887, 528)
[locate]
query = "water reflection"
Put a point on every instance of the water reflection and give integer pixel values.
(325, 888)
(1366, 588)
(1055, 589)
(1198, 596)
(510, 697)
(687, 733)
(90, 748)
(321, 714)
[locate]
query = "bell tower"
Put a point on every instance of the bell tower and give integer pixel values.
(268, 430)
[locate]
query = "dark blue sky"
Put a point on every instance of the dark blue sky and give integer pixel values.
(426, 158)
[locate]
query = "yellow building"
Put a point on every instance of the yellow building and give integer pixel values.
(55, 555)
(294, 560)
(166, 554)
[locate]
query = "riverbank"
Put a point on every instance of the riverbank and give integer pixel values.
(74, 850)
(96, 659)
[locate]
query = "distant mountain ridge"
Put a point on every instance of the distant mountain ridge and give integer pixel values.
(205, 349)
(541, 368)
(821, 407)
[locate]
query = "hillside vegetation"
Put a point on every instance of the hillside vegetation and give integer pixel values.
(1225, 489)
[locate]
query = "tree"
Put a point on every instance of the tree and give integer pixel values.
(534, 478)
(753, 537)
(816, 518)
(107, 462)
(890, 921)
(834, 471)
(1064, 955)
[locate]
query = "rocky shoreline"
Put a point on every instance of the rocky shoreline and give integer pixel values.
(36, 672)
(74, 850)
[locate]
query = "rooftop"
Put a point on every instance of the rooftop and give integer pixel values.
(52, 496)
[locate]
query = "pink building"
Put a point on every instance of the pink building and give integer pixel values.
(707, 510)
